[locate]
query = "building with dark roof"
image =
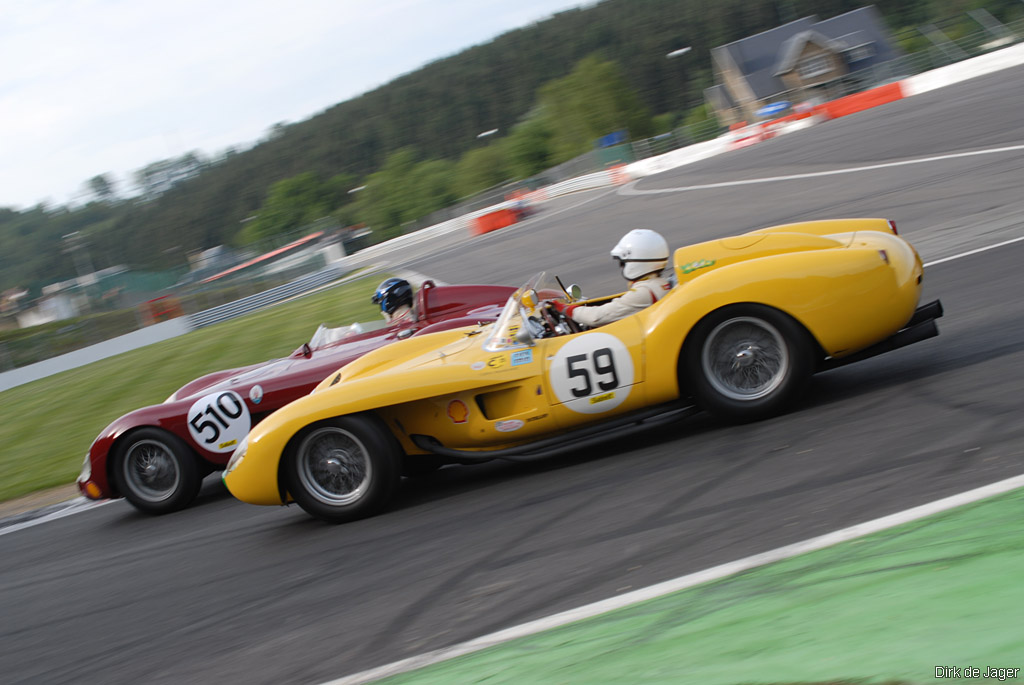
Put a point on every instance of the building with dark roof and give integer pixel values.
(795, 62)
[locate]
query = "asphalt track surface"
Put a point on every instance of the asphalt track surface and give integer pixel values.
(228, 592)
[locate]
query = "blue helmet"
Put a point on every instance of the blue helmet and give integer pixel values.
(392, 294)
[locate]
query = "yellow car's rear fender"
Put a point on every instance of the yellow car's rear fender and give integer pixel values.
(846, 299)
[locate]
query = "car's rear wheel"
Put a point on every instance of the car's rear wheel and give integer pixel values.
(156, 471)
(747, 362)
(343, 469)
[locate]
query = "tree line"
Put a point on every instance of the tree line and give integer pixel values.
(410, 147)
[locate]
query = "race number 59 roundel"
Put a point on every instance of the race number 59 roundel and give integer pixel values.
(219, 421)
(592, 374)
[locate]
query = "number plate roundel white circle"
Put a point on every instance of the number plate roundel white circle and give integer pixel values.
(219, 421)
(592, 374)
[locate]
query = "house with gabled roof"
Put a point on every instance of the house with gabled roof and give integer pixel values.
(796, 62)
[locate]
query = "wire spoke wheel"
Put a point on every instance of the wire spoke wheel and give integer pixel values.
(343, 469)
(745, 358)
(748, 361)
(151, 471)
(156, 471)
(334, 466)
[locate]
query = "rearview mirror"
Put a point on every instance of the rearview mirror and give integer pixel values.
(575, 292)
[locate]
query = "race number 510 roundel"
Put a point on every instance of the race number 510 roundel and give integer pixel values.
(592, 373)
(219, 421)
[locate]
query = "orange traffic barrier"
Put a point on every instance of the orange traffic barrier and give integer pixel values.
(492, 221)
(858, 102)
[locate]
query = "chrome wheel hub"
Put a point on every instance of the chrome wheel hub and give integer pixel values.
(334, 466)
(745, 358)
(151, 471)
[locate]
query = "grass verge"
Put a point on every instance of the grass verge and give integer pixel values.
(50, 423)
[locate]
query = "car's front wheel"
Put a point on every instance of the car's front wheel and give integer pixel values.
(156, 471)
(747, 362)
(343, 469)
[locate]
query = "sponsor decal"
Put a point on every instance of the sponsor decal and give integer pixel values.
(458, 412)
(602, 398)
(522, 357)
(699, 264)
(497, 361)
(508, 426)
(538, 417)
(256, 394)
(219, 421)
(476, 366)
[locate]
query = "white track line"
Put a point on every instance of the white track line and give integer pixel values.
(683, 582)
(976, 251)
(630, 189)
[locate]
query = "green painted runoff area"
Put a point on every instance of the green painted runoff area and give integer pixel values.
(947, 590)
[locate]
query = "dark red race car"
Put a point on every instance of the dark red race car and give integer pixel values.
(156, 457)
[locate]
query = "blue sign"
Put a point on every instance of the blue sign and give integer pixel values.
(773, 108)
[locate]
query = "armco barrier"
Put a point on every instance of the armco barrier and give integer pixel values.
(268, 297)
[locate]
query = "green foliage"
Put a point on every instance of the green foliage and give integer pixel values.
(593, 101)
(102, 187)
(698, 115)
(481, 168)
(663, 123)
(528, 148)
(296, 202)
(431, 187)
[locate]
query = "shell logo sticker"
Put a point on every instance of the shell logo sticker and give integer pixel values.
(458, 412)
(592, 374)
(219, 421)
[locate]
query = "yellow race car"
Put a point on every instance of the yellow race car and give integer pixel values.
(750, 318)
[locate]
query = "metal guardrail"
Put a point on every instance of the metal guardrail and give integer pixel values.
(264, 299)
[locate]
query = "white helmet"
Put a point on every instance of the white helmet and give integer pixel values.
(641, 252)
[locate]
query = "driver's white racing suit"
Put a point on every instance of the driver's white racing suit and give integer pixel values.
(641, 294)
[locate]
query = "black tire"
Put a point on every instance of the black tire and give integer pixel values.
(343, 469)
(748, 362)
(156, 471)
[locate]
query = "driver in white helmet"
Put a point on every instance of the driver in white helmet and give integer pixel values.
(643, 255)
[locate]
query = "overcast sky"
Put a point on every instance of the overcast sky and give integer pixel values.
(107, 86)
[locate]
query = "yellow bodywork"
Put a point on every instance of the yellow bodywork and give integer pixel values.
(850, 283)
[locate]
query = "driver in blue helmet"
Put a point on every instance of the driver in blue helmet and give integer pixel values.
(394, 295)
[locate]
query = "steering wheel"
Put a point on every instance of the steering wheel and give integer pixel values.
(554, 317)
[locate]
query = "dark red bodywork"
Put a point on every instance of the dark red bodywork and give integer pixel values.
(284, 380)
